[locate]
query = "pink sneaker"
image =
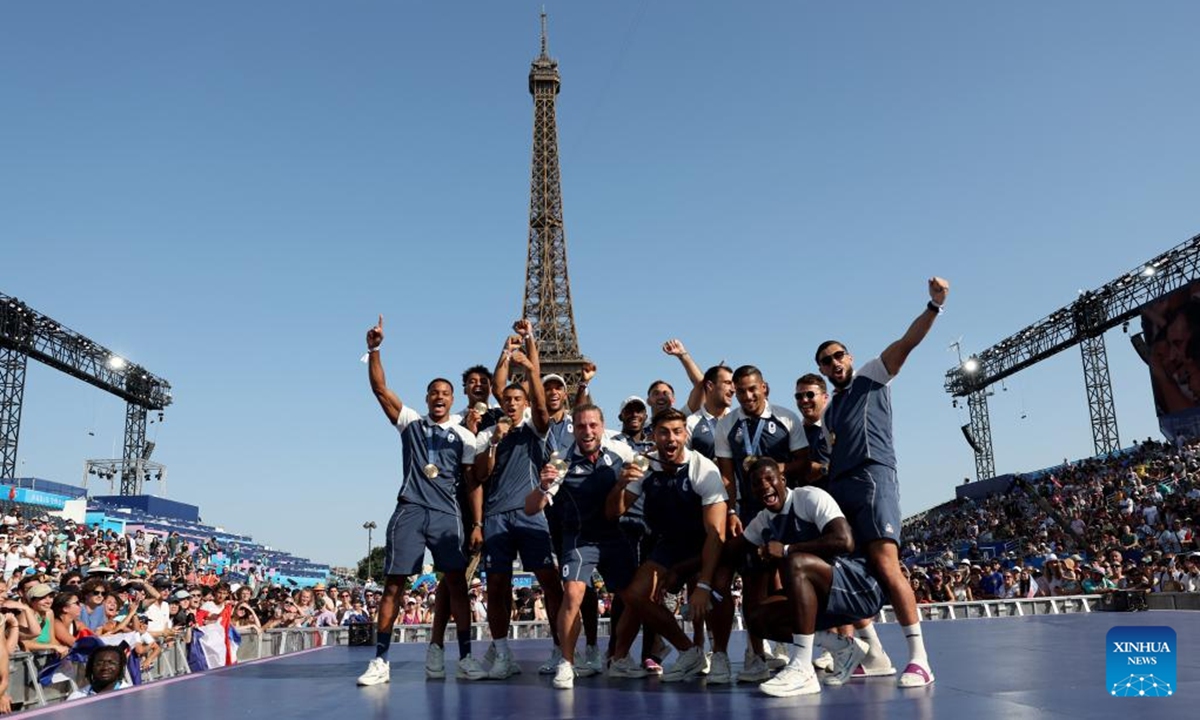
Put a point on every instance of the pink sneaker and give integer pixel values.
(651, 666)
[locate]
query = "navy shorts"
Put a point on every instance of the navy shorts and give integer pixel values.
(506, 534)
(616, 558)
(670, 552)
(414, 528)
(854, 594)
(869, 497)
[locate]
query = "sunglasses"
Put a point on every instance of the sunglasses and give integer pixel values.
(829, 359)
(806, 395)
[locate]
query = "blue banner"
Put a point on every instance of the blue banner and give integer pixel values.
(34, 497)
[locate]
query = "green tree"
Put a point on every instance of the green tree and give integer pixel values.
(375, 565)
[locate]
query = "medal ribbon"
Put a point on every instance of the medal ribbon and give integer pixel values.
(752, 449)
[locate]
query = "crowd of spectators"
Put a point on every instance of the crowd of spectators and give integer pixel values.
(61, 582)
(1123, 521)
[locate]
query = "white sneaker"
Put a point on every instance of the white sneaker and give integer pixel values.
(824, 661)
(719, 672)
(550, 667)
(755, 670)
(779, 657)
(686, 666)
(583, 663)
(435, 662)
(625, 668)
(845, 662)
(378, 672)
(470, 669)
(791, 681)
(564, 676)
(594, 660)
(503, 667)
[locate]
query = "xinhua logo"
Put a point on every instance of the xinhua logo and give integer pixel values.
(1141, 661)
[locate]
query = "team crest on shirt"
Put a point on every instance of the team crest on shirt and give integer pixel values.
(771, 428)
(738, 435)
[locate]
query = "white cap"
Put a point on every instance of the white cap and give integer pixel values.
(632, 399)
(554, 376)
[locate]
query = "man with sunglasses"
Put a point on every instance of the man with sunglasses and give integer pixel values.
(862, 466)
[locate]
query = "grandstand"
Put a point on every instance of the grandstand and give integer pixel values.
(127, 514)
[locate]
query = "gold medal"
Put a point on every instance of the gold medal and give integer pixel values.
(430, 470)
(641, 462)
(559, 465)
(749, 462)
(480, 408)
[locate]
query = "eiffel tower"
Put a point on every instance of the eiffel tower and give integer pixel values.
(547, 302)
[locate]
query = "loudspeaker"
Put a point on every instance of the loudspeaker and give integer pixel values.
(966, 431)
(362, 634)
(1123, 601)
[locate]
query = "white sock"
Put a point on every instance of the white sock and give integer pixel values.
(804, 650)
(501, 646)
(871, 637)
(916, 643)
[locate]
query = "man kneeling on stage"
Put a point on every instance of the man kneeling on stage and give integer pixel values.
(804, 532)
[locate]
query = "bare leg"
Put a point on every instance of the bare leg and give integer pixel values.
(568, 618)
(499, 606)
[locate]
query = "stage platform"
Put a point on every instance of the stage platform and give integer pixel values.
(1050, 666)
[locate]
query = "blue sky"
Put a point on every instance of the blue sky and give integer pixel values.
(228, 193)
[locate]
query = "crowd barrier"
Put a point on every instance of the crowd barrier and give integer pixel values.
(26, 692)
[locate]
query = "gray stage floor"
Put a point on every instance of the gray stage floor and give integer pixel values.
(1032, 667)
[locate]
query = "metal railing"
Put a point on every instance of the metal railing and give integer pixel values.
(26, 692)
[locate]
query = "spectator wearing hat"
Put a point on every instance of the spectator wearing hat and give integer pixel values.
(41, 601)
(158, 611)
(413, 613)
(1097, 581)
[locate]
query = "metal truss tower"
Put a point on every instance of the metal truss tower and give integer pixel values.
(981, 431)
(12, 391)
(1099, 395)
(547, 302)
